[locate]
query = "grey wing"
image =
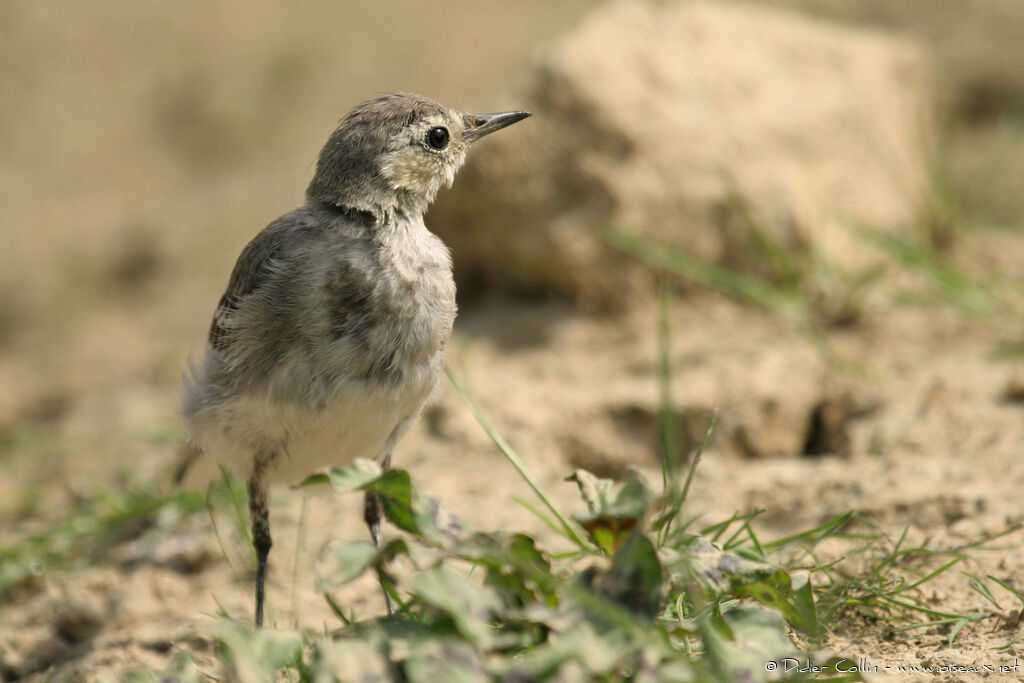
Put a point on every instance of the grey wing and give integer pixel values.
(254, 266)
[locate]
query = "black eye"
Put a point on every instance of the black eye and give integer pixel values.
(437, 137)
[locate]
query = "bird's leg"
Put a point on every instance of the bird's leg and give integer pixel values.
(259, 517)
(372, 514)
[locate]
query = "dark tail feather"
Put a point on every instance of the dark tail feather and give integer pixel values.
(187, 455)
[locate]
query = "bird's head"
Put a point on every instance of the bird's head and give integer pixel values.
(396, 151)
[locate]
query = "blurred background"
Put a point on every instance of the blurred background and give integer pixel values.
(829, 197)
(143, 146)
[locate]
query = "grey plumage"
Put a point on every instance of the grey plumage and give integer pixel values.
(330, 335)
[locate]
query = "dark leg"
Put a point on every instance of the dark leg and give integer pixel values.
(260, 520)
(372, 514)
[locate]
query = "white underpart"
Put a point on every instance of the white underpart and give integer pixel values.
(358, 422)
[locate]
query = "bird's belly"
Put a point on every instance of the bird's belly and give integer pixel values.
(359, 419)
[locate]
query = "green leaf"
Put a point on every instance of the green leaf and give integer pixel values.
(803, 604)
(406, 509)
(353, 659)
(469, 607)
(396, 496)
(635, 578)
(792, 597)
(250, 654)
(435, 522)
(353, 478)
(713, 567)
(515, 567)
(628, 500)
(580, 651)
(758, 636)
(402, 505)
(614, 509)
(523, 550)
(721, 571)
(596, 492)
(444, 659)
(350, 560)
(500, 549)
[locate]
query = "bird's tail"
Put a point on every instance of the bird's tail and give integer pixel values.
(187, 455)
(193, 374)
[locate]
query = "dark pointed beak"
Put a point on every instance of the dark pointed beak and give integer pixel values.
(479, 125)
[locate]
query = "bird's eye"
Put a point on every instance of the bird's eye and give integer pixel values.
(437, 137)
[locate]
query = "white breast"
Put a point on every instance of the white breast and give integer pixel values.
(310, 415)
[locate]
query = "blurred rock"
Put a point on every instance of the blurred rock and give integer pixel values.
(693, 124)
(980, 66)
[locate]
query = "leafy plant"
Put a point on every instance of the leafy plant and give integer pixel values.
(636, 593)
(623, 606)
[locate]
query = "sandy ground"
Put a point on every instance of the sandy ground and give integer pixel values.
(936, 453)
(122, 215)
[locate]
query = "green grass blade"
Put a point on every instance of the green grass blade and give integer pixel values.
(952, 285)
(532, 509)
(985, 540)
(931, 575)
(568, 528)
(814, 536)
(979, 587)
(668, 424)
(692, 267)
(216, 532)
(236, 502)
(1007, 587)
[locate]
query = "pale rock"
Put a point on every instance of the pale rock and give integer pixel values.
(656, 119)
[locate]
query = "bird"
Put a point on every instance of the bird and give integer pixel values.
(330, 335)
